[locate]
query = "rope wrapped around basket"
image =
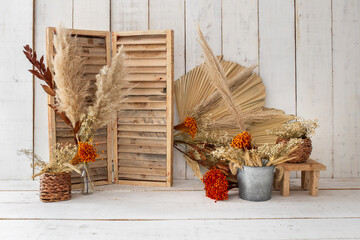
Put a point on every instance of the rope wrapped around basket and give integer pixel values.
(55, 187)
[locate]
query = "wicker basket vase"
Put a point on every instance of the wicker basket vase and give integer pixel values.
(303, 152)
(55, 187)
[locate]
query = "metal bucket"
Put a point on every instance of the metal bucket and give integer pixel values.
(255, 183)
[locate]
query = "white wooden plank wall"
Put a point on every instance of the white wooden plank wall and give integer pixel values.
(314, 71)
(16, 118)
(48, 14)
(307, 51)
(346, 87)
(276, 41)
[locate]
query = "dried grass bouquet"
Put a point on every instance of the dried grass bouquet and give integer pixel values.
(66, 83)
(298, 129)
(62, 155)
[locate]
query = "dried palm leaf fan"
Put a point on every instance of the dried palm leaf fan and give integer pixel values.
(196, 95)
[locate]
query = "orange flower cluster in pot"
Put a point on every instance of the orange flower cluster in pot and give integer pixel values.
(242, 140)
(86, 153)
(189, 126)
(216, 185)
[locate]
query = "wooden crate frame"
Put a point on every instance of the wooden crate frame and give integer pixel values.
(51, 115)
(168, 36)
(112, 132)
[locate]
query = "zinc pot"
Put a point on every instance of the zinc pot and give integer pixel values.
(255, 183)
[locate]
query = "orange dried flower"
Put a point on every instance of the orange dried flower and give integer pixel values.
(242, 140)
(216, 185)
(86, 153)
(189, 126)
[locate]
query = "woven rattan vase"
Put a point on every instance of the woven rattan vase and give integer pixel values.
(55, 187)
(301, 154)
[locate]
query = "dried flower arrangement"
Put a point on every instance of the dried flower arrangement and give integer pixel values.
(301, 129)
(207, 125)
(63, 155)
(71, 90)
(266, 155)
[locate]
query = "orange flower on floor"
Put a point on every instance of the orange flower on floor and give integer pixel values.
(189, 126)
(216, 185)
(242, 140)
(86, 153)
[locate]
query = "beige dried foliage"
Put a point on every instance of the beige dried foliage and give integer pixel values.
(72, 88)
(300, 129)
(62, 155)
(111, 91)
(218, 77)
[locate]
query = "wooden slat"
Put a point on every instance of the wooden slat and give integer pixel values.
(95, 61)
(169, 106)
(140, 149)
(142, 142)
(92, 69)
(90, 41)
(143, 183)
(145, 106)
(142, 157)
(141, 33)
(154, 39)
(96, 51)
(161, 62)
(143, 171)
(149, 113)
(148, 91)
(143, 48)
(146, 77)
(134, 99)
(146, 55)
(151, 69)
(142, 128)
(138, 163)
(125, 176)
(142, 135)
(149, 121)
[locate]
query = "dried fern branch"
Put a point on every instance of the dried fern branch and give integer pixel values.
(218, 79)
(111, 91)
(71, 87)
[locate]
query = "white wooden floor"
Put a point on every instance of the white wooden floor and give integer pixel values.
(180, 212)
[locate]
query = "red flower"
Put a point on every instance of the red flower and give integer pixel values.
(216, 185)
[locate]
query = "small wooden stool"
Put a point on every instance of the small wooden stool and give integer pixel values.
(310, 173)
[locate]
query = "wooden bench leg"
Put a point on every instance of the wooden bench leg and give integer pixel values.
(314, 183)
(305, 180)
(285, 185)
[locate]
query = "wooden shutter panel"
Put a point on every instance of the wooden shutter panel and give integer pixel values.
(144, 137)
(96, 48)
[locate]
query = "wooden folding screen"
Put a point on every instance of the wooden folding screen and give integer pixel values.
(96, 48)
(139, 143)
(145, 136)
